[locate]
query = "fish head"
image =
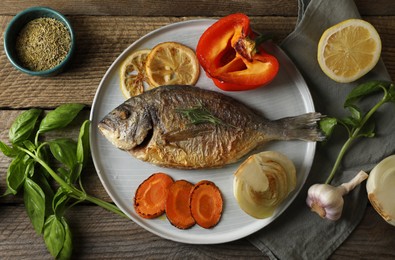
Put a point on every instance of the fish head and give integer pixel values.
(127, 126)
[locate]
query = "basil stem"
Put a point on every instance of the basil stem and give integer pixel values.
(46, 208)
(355, 131)
(71, 190)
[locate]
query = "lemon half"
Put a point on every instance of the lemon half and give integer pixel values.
(349, 50)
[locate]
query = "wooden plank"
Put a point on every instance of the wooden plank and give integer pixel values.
(372, 239)
(99, 234)
(160, 8)
(100, 40)
(184, 8)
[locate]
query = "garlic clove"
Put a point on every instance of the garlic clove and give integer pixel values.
(262, 182)
(381, 189)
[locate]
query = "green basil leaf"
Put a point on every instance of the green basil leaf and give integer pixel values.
(59, 202)
(349, 123)
(23, 126)
(16, 173)
(355, 112)
(83, 147)
(54, 235)
(64, 174)
(67, 248)
(64, 150)
(30, 167)
(70, 175)
(41, 179)
(367, 130)
(327, 125)
(44, 155)
(34, 199)
(60, 117)
(365, 89)
(29, 145)
(75, 173)
(7, 192)
(7, 150)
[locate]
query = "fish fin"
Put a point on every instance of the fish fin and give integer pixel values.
(302, 127)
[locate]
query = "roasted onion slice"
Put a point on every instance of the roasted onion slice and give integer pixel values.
(262, 182)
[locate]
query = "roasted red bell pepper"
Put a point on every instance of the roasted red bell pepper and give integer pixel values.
(229, 55)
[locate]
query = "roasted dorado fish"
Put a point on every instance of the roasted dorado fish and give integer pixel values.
(191, 128)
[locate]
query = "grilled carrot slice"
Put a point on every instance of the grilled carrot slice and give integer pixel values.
(206, 204)
(177, 205)
(150, 197)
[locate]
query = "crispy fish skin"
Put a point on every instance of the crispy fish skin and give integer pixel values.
(150, 127)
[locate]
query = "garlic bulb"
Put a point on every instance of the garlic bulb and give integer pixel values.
(327, 200)
(262, 182)
(381, 189)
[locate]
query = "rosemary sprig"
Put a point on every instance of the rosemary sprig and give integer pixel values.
(199, 114)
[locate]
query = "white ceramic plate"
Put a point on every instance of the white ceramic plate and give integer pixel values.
(120, 174)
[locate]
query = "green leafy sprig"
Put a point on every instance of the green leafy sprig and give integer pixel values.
(199, 114)
(357, 124)
(31, 172)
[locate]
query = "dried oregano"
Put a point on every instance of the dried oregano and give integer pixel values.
(42, 44)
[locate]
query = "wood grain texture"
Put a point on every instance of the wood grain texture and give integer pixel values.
(101, 39)
(160, 8)
(99, 234)
(184, 8)
(103, 30)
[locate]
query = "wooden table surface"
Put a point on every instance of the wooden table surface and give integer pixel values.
(103, 31)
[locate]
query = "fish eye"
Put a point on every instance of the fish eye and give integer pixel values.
(122, 113)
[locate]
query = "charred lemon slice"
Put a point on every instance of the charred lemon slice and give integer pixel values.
(132, 73)
(171, 63)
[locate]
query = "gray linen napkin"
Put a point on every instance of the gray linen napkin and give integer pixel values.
(299, 233)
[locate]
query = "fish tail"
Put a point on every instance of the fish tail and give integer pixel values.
(302, 127)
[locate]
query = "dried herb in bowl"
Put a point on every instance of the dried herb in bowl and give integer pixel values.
(42, 44)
